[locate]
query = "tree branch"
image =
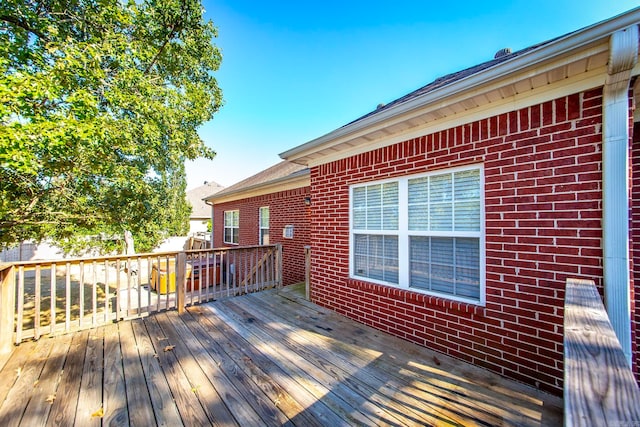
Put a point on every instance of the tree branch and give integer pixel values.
(24, 25)
(174, 29)
(157, 55)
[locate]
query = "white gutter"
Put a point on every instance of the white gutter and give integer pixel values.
(206, 202)
(623, 56)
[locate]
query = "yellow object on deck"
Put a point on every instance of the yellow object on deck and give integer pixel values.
(159, 276)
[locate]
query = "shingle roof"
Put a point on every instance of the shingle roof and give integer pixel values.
(196, 196)
(453, 77)
(281, 171)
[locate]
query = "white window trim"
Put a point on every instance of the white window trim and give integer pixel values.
(224, 227)
(260, 225)
(404, 233)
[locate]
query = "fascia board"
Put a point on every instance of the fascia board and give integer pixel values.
(280, 184)
(589, 81)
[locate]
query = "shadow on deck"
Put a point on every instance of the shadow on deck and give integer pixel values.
(262, 359)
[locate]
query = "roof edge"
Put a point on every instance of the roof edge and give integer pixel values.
(555, 48)
(296, 180)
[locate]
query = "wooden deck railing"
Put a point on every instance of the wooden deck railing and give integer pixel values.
(599, 387)
(307, 272)
(49, 297)
(7, 299)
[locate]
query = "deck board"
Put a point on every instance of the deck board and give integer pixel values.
(380, 385)
(154, 381)
(251, 358)
(364, 398)
(445, 380)
(383, 397)
(202, 373)
(234, 357)
(210, 381)
(44, 390)
(191, 411)
(475, 393)
(12, 368)
(135, 355)
(90, 405)
(65, 403)
(21, 388)
(296, 366)
(267, 358)
(114, 391)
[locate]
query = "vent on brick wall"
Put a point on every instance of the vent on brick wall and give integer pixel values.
(287, 232)
(502, 52)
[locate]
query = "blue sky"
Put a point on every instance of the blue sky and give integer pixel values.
(295, 70)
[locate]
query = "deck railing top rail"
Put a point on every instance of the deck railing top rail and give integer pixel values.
(52, 296)
(599, 387)
(102, 258)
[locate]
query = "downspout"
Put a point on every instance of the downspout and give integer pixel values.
(212, 227)
(623, 56)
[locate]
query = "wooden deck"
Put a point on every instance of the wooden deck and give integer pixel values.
(259, 359)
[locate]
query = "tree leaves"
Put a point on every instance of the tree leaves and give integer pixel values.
(99, 107)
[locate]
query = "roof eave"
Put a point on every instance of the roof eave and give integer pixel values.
(547, 52)
(296, 180)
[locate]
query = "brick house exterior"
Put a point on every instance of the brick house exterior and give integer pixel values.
(284, 192)
(520, 142)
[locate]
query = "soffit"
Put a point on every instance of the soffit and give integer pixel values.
(507, 91)
(298, 180)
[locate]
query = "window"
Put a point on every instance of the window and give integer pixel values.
(422, 232)
(231, 227)
(375, 211)
(264, 226)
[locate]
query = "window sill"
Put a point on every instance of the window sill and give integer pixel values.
(413, 297)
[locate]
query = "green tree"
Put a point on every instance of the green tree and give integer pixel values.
(100, 101)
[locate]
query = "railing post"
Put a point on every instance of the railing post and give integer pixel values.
(278, 266)
(307, 272)
(7, 307)
(181, 280)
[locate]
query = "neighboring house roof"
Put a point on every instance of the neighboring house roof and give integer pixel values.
(282, 176)
(196, 196)
(533, 75)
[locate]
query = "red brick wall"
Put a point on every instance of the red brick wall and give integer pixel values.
(543, 200)
(285, 208)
